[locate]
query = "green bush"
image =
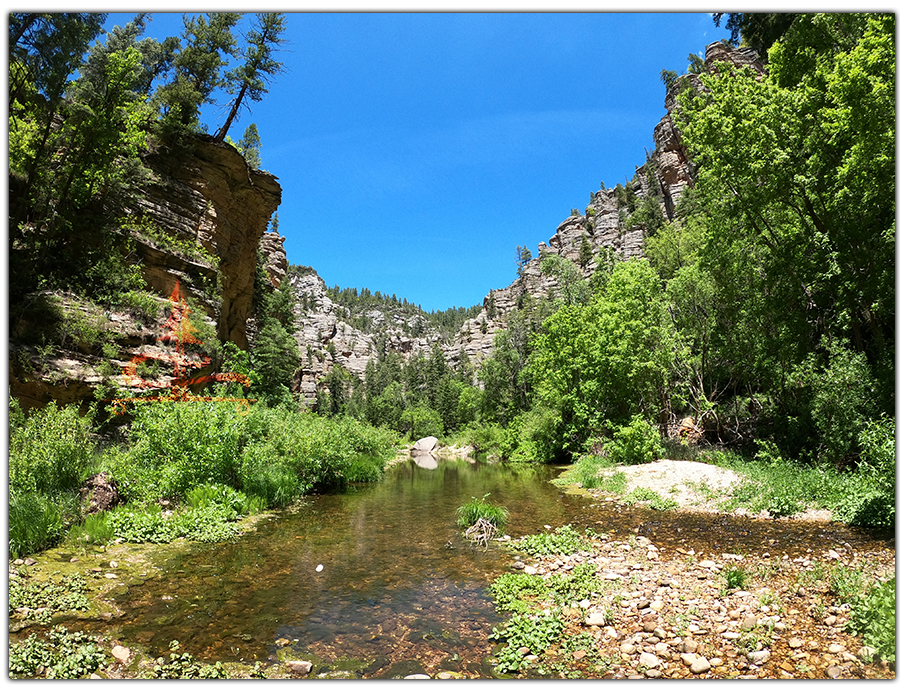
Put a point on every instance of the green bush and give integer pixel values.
(874, 616)
(480, 508)
(176, 446)
(38, 521)
(288, 454)
(208, 523)
(533, 436)
(869, 498)
(50, 450)
(637, 443)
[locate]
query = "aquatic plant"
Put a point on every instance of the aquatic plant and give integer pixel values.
(62, 655)
(534, 632)
(564, 540)
(480, 509)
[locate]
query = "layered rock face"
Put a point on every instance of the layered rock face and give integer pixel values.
(326, 339)
(212, 197)
(205, 197)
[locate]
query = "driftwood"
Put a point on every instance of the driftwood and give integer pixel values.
(481, 532)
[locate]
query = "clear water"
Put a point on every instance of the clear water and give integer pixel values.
(399, 588)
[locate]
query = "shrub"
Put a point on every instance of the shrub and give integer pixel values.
(533, 436)
(480, 508)
(870, 497)
(637, 443)
(224, 496)
(587, 472)
(38, 521)
(873, 616)
(49, 450)
(179, 445)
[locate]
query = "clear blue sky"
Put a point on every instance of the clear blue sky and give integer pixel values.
(416, 151)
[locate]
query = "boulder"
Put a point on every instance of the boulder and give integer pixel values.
(99, 493)
(425, 444)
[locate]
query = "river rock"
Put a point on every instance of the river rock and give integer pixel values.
(836, 648)
(700, 665)
(418, 675)
(121, 653)
(649, 660)
(794, 642)
(595, 619)
(834, 671)
(425, 444)
(300, 668)
(759, 657)
(749, 622)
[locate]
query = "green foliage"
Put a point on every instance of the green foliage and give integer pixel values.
(185, 666)
(563, 540)
(515, 591)
(535, 632)
(653, 499)
(50, 451)
(800, 163)
(571, 282)
(234, 501)
(637, 443)
(62, 655)
(735, 577)
(533, 436)
(176, 446)
(38, 521)
(587, 472)
(287, 454)
(607, 360)
(873, 616)
(420, 422)
(209, 523)
(61, 593)
(479, 508)
(580, 583)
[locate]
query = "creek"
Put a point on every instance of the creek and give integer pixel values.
(398, 587)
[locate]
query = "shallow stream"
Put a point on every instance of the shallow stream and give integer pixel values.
(399, 588)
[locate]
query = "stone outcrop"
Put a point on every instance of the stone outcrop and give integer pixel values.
(211, 197)
(208, 211)
(326, 339)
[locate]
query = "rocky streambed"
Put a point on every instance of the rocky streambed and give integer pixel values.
(669, 613)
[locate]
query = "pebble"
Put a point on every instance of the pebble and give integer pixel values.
(518, 564)
(688, 646)
(110, 575)
(836, 648)
(716, 662)
(759, 657)
(700, 665)
(418, 676)
(834, 671)
(794, 642)
(653, 673)
(299, 667)
(649, 660)
(121, 653)
(595, 619)
(749, 622)
(627, 648)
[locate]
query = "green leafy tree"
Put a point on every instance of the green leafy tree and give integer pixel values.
(571, 283)
(585, 251)
(796, 184)
(608, 360)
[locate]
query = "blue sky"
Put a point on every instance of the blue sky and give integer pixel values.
(417, 150)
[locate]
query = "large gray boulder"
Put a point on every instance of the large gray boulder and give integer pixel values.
(425, 444)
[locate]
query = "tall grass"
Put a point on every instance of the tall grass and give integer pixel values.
(479, 508)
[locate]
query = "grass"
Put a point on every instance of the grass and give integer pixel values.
(588, 472)
(479, 508)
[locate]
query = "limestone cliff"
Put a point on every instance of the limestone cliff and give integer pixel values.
(198, 223)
